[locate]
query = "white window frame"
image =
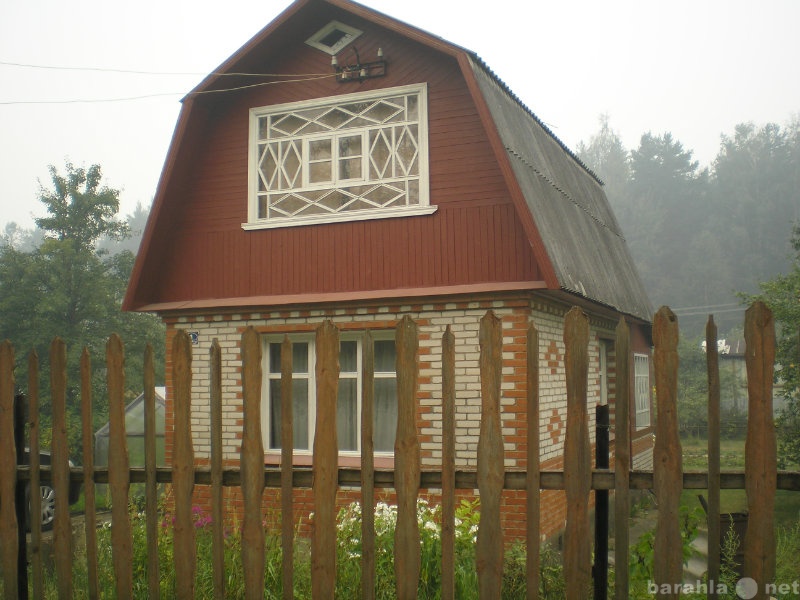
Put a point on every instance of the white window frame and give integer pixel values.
(309, 339)
(422, 205)
(335, 159)
(641, 390)
(603, 379)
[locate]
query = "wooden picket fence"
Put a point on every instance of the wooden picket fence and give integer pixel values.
(760, 477)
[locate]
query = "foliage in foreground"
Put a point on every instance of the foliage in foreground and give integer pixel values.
(348, 583)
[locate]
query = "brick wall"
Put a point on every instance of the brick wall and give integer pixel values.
(463, 316)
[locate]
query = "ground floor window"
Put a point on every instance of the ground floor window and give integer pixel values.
(641, 386)
(349, 402)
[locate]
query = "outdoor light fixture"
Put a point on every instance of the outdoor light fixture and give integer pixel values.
(360, 70)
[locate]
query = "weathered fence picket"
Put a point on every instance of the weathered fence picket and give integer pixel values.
(150, 464)
(90, 512)
(59, 465)
(183, 466)
(760, 478)
(217, 515)
(577, 456)
(118, 470)
(407, 560)
(368, 471)
(491, 468)
(622, 456)
(8, 465)
(252, 465)
(448, 463)
(712, 367)
(287, 446)
(760, 453)
(35, 548)
(326, 466)
(533, 478)
(667, 458)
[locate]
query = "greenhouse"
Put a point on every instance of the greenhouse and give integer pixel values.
(134, 429)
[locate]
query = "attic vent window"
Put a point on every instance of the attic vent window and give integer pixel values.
(333, 37)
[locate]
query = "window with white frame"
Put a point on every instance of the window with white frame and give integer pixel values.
(351, 157)
(348, 409)
(641, 386)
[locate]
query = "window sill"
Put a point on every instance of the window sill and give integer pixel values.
(365, 215)
(382, 460)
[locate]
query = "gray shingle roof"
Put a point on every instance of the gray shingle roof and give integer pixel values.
(568, 204)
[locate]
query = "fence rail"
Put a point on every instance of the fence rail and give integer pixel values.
(760, 477)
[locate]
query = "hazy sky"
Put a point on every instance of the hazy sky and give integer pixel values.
(694, 68)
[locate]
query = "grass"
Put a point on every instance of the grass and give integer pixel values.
(695, 458)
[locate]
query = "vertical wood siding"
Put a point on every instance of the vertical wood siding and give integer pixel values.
(474, 237)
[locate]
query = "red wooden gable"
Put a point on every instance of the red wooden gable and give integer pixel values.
(196, 253)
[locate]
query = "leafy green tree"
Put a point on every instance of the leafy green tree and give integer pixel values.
(782, 295)
(68, 286)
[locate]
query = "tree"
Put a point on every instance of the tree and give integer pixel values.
(756, 196)
(782, 295)
(607, 156)
(80, 211)
(69, 286)
(667, 197)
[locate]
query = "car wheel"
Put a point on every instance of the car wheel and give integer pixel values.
(48, 513)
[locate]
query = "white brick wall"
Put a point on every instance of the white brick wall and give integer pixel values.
(464, 320)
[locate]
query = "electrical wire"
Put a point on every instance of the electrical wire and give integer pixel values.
(707, 306)
(137, 72)
(145, 96)
(707, 312)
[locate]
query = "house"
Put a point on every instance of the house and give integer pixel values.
(371, 171)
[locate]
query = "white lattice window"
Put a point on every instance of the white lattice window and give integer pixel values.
(352, 157)
(641, 386)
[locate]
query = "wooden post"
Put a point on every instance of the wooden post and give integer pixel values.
(577, 456)
(252, 466)
(368, 470)
(183, 466)
(119, 469)
(325, 468)
(90, 512)
(712, 368)
(151, 486)
(62, 529)
(217, 526)
(407, 558)
(8, 473)
(491, 469)
(448, 464)
(622, 457)
(760, 452)
(533, 478)
(667, 458)
(287, 457)
(37, 573)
